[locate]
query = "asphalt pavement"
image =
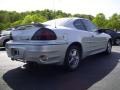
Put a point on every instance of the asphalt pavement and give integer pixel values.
(97, 72)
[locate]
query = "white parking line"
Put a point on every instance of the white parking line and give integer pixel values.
(2, 53)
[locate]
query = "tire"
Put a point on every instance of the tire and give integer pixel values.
(117, 41)
(109, 48)
(72, 58)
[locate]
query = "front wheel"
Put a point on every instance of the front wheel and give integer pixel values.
(109, 48)
(117, 41)
(72, 58)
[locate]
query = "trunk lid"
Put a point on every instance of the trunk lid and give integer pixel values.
(24, 32)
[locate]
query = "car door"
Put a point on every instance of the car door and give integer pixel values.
(97, 42)
(87, 37)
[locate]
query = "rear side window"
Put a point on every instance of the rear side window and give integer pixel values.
(89, 25)
(25, 27)
(79, 25)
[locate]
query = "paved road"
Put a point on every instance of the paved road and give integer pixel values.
(98, 72)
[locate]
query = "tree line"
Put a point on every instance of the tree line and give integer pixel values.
(12, 18)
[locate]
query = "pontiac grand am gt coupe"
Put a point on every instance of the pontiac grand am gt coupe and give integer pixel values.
(64, 41)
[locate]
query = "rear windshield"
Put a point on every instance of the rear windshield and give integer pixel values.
(25, 27)
(29, 26)
(59, 22)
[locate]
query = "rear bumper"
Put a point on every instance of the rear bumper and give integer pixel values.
(43, 53)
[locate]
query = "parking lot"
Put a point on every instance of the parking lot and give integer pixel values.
(97, 72)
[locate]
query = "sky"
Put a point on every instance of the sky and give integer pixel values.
(92, 7)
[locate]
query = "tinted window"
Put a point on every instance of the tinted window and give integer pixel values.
(89, 25)
(59, 22)
(25, 27)
(79, 25)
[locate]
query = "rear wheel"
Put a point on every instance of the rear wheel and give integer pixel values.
(109, 48)
(72, 58)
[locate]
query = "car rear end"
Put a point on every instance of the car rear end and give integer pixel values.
(1, 41)
(36, 44)
(4, 37)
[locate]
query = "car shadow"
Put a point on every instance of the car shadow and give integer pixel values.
(91, 70)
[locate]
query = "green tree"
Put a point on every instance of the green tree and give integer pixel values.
(38, 18)
(1, 26)
(90, 17)
(100, 20)
(114, 22)
(16, 23)
(13, 18)
(33, 18)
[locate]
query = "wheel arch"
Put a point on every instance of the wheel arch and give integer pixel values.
(111, 41)
(78, 44)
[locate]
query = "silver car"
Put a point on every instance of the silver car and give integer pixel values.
(64, 41)
(4, 37)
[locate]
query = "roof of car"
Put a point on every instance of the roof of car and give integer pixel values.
(61, 21)
(69, 18)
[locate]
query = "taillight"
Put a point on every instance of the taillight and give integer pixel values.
(44, 34)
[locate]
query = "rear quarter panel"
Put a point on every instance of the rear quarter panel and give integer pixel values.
(72, 35)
